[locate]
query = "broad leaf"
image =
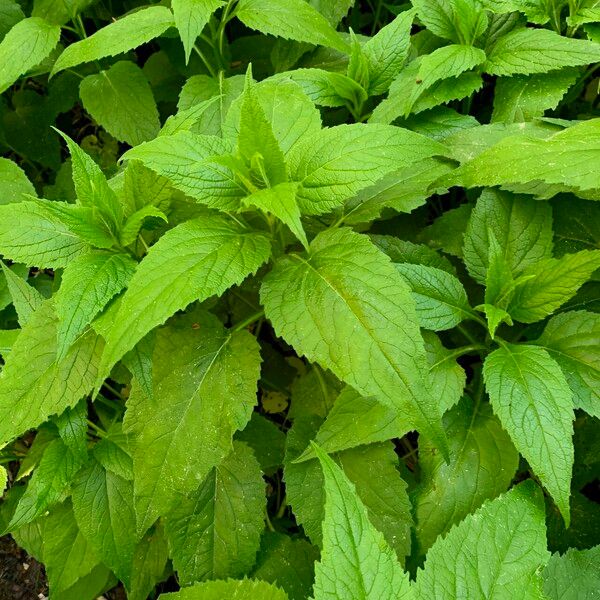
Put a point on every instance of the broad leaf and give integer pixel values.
(532, 399)
(495, 553)
(356, 562)
(103, 506)
(216, 531)
(482, 464)
(571, 339)
(14, 184)
(204, 393)
(538, 51)
(573, 576)
(26, 299)
(358, 316)
(190, 17)
(244, 589)
(87, 286)
(193, 261)
(120, 100)
(289, 19)
(28, 397)
(127, 33)
(340, 161)
(25, 46)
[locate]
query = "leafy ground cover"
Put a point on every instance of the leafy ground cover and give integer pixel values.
(300, 299)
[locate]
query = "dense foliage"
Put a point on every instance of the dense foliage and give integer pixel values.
(300, 299)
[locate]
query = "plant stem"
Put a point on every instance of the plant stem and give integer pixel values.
(207, 64)
(246, 322)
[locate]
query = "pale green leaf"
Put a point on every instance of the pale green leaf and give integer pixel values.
(402, 191)
(567, 157)
(29, 396)
(571, 338)
(232, 589)
(280, 201)
(440, 297)
(338, 162)
(573, 576)
(131, 31)
(215, 532)
(482, 464)
(553, 282)
(191, 118)
(290, 19)
(40, 233)
(386, 52)
(356, 562)
(25, 298)
(103, 506)
(190, 17)
(495, 553)
(87, 286)
(521, 226)
(26, 45)
(204, 394)
(189, 162)
(532, 399)
(120, 100)
(193, 261)
(48, 485)
(14, 184)
(526, 51)
(135, 222)
(523, 98)
(91, 186)
(73, 428)
(346, 307)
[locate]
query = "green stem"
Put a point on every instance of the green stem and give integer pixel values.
(268, 522)
(246, 322)
(282, 508)
(207, 64)
(99, 432)
(467, 335)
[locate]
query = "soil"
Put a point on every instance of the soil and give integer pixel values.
(21, 576)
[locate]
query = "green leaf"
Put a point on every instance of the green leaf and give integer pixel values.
(14, 184)
(355, 421)
(359, 305)
(26, 45)
(402, 191)
(494, 553)
(573, 576)
(483, 462)
(523, 98)
(526, 51)
(216, 531)
(571, 339)
(522, 227)
(193, 261)
(256, 142)
(532, 399)
(287, 562)
(91, 186)
(356, 561)
(314, 393)
(61, 12)
(10, 14)
(190, 163)
(190, 17)
(336, 163)
(245, 589)
(40, 233)
(386, 52)
(25, 298)
(135, 222)
(29, 396)
(48, 485)
(407, 93)
(553, 282)
(191, 118)
(72, 428)
(66, 554)
(566, 158)
(403, 251)
(205, 394)
(290, 19)
(267, 441)
(120, 100)
(103, 506)
(88, 284)
(149, 564)
(131, 31)
(280, 201)
(440, 297)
